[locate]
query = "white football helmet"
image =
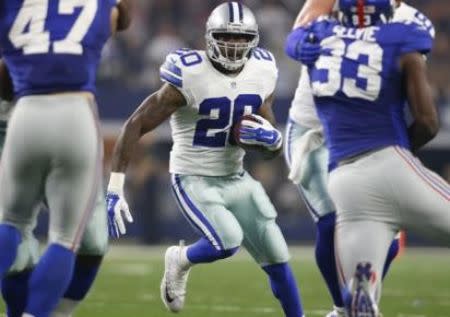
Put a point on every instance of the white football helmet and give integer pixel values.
(231, 18)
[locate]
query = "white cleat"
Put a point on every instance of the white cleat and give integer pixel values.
(173, 284)
(337, 312)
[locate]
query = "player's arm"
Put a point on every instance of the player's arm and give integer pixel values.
(121, 16)
(311, 10)
(420, 99)
(266, 112)
(260, 131)
(6, 85)
(151, 113)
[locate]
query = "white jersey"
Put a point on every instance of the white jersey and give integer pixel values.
(201, 130)
(303, 110)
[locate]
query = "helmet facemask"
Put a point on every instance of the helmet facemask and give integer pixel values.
(230, 49)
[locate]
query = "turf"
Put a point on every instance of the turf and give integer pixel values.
(418, 285)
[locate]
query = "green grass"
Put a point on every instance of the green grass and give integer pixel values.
(128, 286)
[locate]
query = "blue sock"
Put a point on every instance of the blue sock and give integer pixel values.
(325, 256)
(392, 253)
(84, 274)
(284, 288)
(204, 252)
(9, 242)
(49, 280)
(15, 292)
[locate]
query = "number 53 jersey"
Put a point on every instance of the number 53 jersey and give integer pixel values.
(53, 45)
(201, 130)
(358, 86)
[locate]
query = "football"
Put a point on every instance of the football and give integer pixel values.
(236, 134)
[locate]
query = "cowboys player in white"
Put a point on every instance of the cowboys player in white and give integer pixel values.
(204, 93)
(307, 155)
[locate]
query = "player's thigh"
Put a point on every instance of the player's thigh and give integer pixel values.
(358, 243)
(313, 185)
(361, 190)
(95, 237)
(256, 215)
(424, 197)
(23, 170)
(201, 202)
(75, 171)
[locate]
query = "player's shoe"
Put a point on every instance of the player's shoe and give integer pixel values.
(173, 284)
(362, 303)
(337, 312)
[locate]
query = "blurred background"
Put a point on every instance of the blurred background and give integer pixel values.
(130, 71)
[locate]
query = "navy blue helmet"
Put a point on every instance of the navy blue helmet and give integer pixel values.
(363, 13)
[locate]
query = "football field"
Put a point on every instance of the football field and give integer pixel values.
(128, 286)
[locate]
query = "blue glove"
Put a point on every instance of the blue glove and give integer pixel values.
(302, 46)
(260, 132)
(116, 206)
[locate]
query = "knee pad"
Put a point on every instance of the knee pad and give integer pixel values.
(274, 245)
(229, 231)
(27, 254)
(95, 238)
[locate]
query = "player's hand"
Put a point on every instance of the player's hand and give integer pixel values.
(117, 206)
(303, 46)
(260, 132)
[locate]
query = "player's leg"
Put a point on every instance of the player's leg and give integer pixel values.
(71, 187)
(423, 196)
(21, 180)
(93, 247)
(367, 221)
(313, 190)
(201, 202)
(14, 284)
(264, 240)
(361, 248)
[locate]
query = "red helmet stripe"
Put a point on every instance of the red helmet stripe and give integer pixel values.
(360, 11)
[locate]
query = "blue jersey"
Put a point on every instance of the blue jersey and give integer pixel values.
(54, 45)
(358, 88)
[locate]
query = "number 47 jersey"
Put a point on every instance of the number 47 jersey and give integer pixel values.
(53, 45)
(358, 86)
(201, 130)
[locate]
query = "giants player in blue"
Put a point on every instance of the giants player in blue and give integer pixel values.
(307, 155)
(368, 68)
(52, 149)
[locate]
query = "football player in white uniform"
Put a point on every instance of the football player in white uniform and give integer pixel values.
(307, 155)
(205, 93)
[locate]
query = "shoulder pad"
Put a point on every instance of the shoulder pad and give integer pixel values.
(178, 64)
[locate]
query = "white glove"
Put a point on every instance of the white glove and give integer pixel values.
(307, 143)
(260, 132)
(117, 205)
